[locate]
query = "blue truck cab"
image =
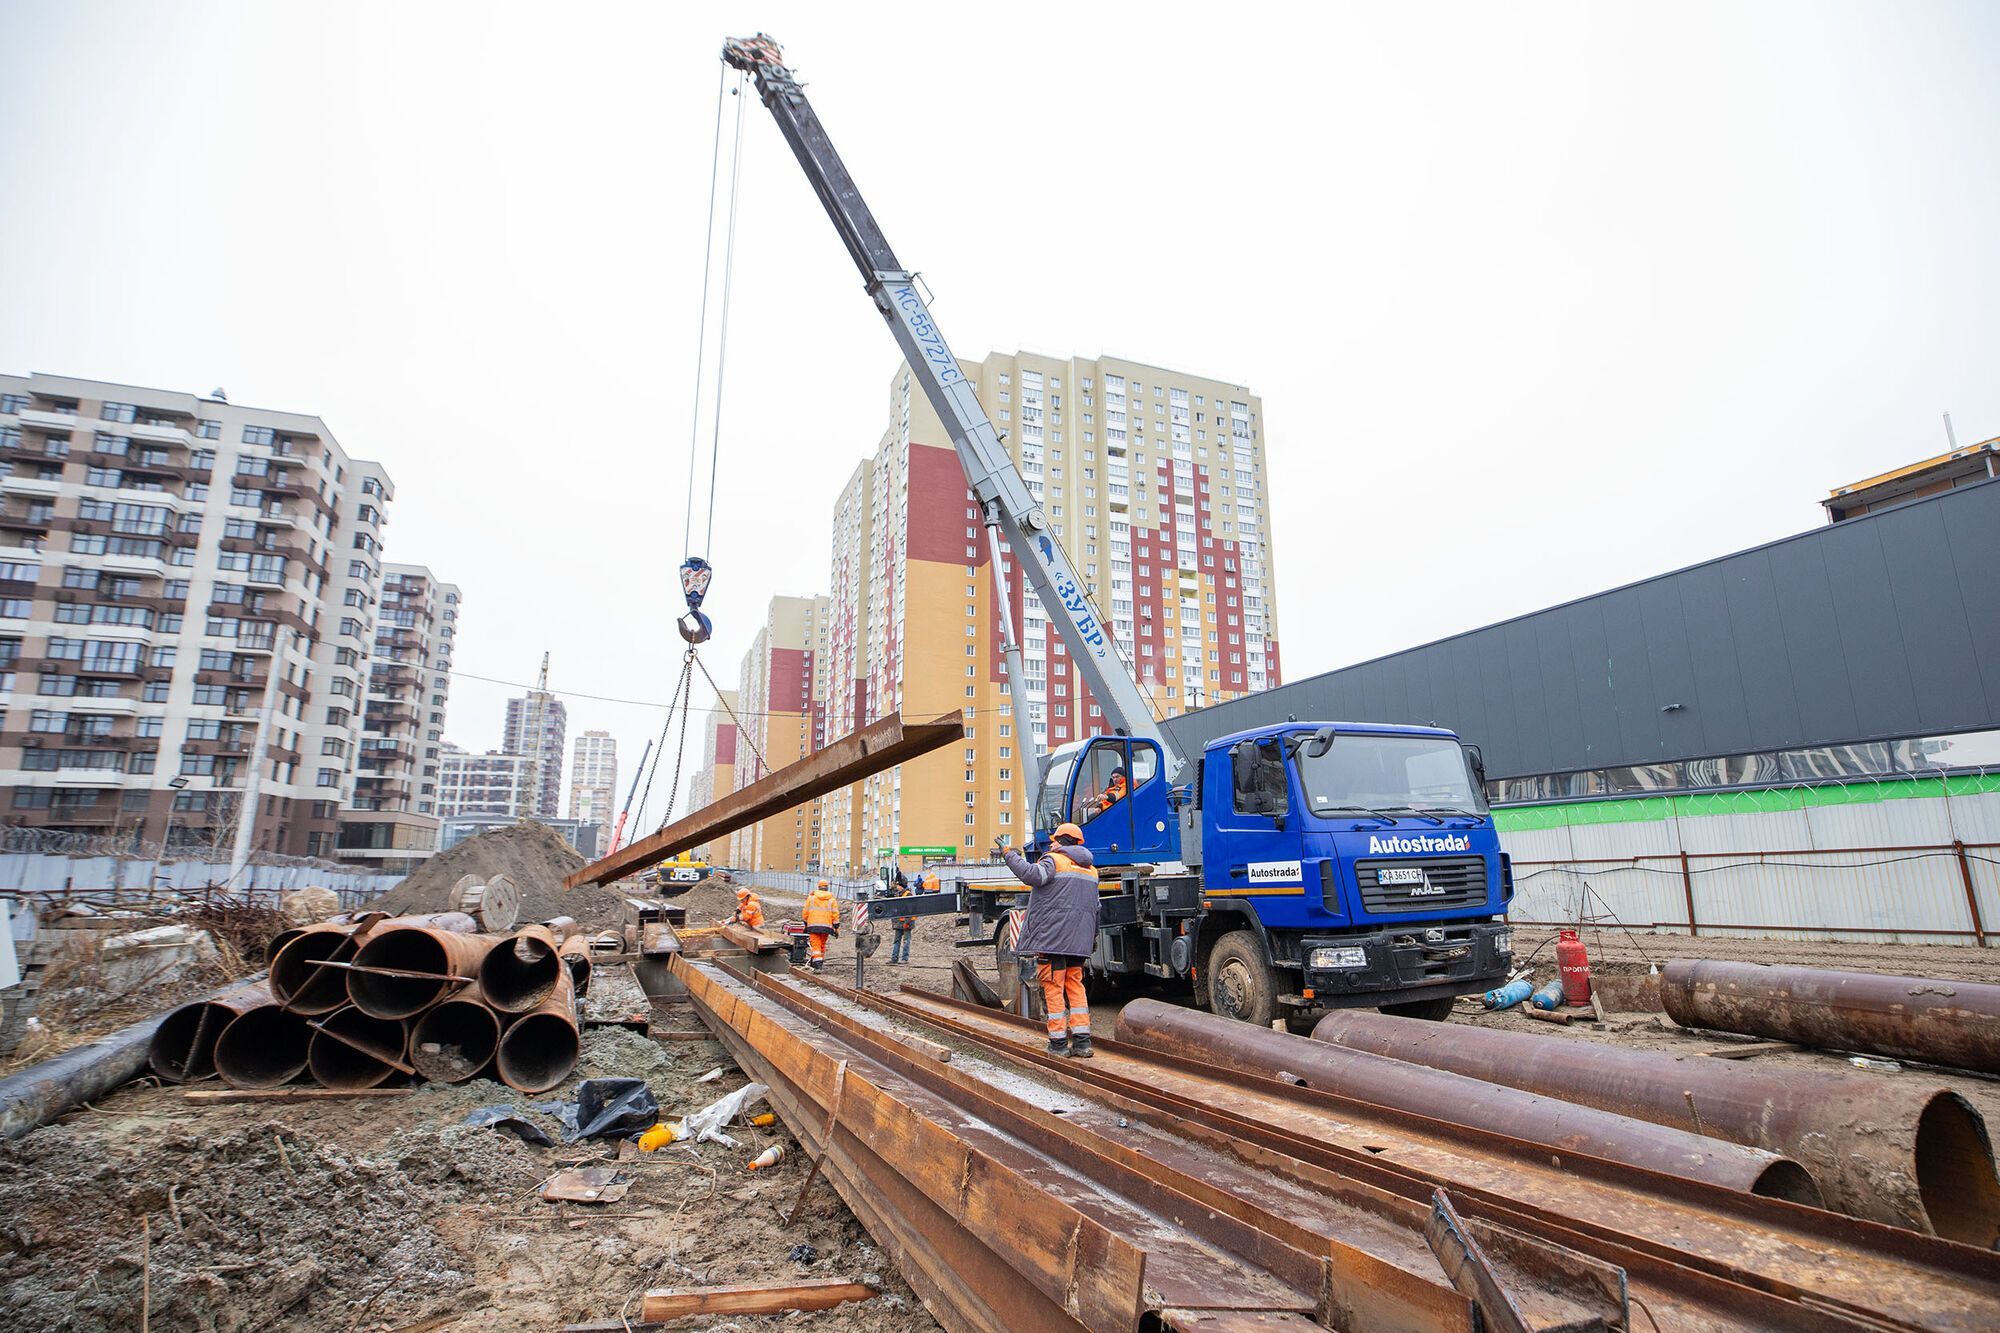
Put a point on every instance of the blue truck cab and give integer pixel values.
(1306, 867)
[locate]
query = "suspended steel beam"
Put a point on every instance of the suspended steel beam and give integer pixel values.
(877, 746)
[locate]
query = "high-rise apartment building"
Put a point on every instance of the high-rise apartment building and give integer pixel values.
(188, 596)
(593, 780)
(1156, 483)
(536, 722)
(717, 775)
(493, 783)
(392, 823)
(776, 704)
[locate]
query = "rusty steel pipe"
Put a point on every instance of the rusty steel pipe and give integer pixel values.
(301, 986)
(183, 1046)
(1910, 1154)
(575, 952)
(562, 927)
(520, 972)
(353, 1049)
(1951, 1023)
(540, 1048)
(263, 1047)
(465, 1033)
(1227, 1043)
(447, 959)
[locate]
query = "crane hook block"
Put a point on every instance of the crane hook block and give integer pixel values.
(695, 575)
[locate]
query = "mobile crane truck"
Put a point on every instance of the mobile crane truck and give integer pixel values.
(1300, 866)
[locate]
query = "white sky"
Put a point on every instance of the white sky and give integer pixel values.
(1540, 298)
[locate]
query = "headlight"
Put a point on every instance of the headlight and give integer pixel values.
(1333, 959)
(1503, 942)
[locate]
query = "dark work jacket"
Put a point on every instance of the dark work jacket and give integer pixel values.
(1062, 904)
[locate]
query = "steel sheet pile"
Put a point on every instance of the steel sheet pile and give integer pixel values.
(359, 1004)
(1202, 1173)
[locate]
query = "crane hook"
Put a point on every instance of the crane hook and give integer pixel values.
(695, 574)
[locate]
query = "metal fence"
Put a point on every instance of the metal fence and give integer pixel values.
(798, 883)
(32, 874)
(1918, 871)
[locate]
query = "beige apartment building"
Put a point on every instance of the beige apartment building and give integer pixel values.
(188, 600)
(392, 822)
(593, 782)
(536, 724)
(494, 783)
(1156, 482)
(781, 724)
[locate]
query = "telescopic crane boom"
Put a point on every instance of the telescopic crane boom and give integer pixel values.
(1009, 507)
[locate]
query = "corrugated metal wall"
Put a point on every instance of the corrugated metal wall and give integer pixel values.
(1892, 871)
(1883, 627)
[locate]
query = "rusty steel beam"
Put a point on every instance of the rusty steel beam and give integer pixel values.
(1011, 1205)
(1907, 1153)
(1699, 1256)
(1951, 1023)
(879, 745)
(1554, 1124)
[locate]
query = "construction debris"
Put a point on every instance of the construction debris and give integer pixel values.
(1951, 1023)
(681, 1302)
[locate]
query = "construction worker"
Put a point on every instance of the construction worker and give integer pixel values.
(930, 881)
(822, 918)
(749, 911)
(1114, 792)
(902, 926)
(1061, 930)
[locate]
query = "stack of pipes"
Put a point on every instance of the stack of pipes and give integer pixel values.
(356, 1004)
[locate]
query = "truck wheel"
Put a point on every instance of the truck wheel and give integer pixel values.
(1431, 1011)
(1240, 983)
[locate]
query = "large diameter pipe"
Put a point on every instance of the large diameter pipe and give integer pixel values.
(183, 1048)
(351, 1049)
(456, 1040)
(575, 953)
(1906, 1153)
(297, 980)
(1952, 1023)
(1553, 1124)
(520, 973)
(419, 967)
(541, 1048)
(263, 1047)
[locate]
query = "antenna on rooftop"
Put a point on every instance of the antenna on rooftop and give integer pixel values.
(1950, 435)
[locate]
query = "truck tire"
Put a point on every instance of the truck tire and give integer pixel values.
(1241, 983)
(1431, 1011)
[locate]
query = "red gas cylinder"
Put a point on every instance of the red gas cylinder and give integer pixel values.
(1574, 964)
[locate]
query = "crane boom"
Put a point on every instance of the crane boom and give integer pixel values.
(1002, 492)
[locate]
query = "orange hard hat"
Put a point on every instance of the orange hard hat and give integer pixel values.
(1070, 831)
(822, 884)
(743, 892)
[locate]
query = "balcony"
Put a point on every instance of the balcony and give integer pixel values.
(159, 434)
(25, 523)
(89, 777)
(138, 564)
(30, 486)
(42, 419)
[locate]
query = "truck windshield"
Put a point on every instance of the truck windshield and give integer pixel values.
(1412, 773)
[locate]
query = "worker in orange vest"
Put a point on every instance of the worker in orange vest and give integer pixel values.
(749, 911)
(1114, 792)
(822, 918)
(1061, 930)
(930, 881)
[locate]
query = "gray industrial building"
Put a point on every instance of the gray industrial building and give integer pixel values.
(1797, 740)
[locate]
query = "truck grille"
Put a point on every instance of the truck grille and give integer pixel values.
(1462, 879)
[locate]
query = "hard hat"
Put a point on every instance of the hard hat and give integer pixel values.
(822, 884)
(1070, 831)
(743, 891)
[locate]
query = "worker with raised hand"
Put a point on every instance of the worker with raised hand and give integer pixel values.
(1061, 931)
(749, 911)
(822, 918)
(902, 926)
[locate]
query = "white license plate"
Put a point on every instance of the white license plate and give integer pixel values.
(1400, 875)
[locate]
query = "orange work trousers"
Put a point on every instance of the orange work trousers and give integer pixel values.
(1063, 997)
(816, 943)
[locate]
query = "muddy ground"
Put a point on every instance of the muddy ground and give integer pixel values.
(389, 1216)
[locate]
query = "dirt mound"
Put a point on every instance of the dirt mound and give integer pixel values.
(533, 855)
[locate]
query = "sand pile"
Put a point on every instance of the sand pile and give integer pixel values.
(533, 855)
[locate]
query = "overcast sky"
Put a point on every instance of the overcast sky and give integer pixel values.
(1540, 298)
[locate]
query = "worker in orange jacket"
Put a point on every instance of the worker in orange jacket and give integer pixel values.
(749, 911)
(1114, 792)
(822, 918)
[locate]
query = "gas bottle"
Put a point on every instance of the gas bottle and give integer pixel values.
(1509, 995)
(1574, 964)
(770, 1157)
(1548, 997)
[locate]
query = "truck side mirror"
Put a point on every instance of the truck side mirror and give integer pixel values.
(1477, 759)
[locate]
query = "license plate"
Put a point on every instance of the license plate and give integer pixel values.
(1400, 875)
